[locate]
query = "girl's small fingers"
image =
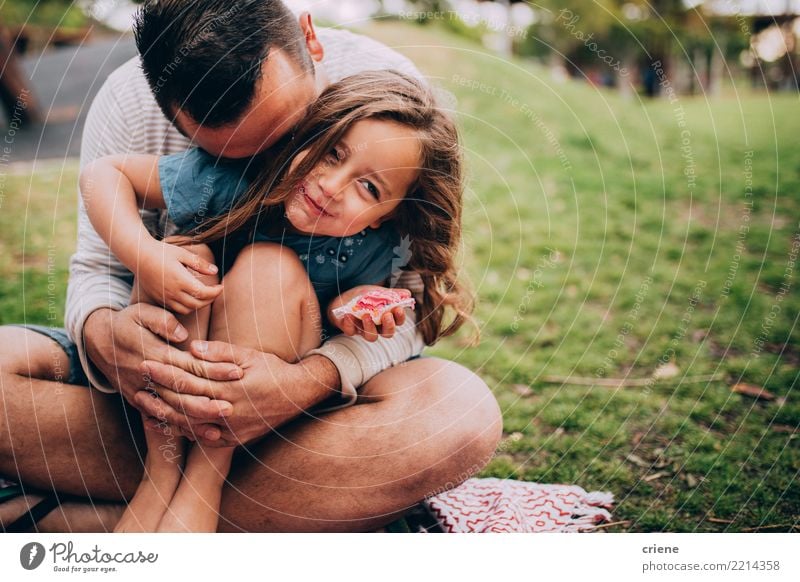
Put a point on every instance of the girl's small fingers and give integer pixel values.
(387, 325)
(370, 331)
(399, 316)
(205, 292)
(349, 325)
(178, 307)
(191, 302)
(198, 263)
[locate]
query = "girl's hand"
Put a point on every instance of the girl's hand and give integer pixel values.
(168, 273)
(365, 327)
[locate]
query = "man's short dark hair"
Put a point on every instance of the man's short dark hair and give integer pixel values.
(205, 56)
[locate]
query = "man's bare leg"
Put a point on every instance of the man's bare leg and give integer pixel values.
(54, 436)
(419, 428)
(70, 516)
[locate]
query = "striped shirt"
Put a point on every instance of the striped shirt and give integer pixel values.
(125, 118)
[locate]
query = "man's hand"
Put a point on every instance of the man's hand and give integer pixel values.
(117, 342)
(167, 273)
(270, 392)
(365, 327)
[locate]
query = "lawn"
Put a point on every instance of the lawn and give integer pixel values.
(642, 250)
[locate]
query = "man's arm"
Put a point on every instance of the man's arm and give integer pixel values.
(97, 279)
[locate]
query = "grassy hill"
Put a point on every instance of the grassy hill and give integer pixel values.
(644, 250)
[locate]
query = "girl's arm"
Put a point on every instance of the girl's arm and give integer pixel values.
(114, 189)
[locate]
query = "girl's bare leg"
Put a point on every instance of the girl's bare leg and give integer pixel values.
(165, 450)
(162, 473)
(195, 504)
(268, 304)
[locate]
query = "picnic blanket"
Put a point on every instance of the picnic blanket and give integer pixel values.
(503, 505)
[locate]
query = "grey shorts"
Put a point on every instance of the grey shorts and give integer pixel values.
(59, 335)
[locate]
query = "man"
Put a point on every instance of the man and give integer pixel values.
(232, 77)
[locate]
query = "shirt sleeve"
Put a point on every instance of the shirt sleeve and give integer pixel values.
(358, 360)
(196, 186)
(96, 278)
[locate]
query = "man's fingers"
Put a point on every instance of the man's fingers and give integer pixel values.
(218, 443)
(220, 371)
(218, 352)
(177, 380)
(161, 322)
(159, 409)
(199, 407)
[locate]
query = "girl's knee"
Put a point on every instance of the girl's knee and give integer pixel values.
(270, 262)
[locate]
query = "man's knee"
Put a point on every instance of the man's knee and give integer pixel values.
(28, 353)
(452, 410)
(476, 420)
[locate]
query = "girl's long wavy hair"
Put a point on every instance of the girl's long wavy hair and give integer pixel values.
(431, 212)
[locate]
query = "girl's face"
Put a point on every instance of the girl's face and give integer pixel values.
(359, 184)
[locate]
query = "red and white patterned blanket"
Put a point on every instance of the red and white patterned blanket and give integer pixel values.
(503, 505)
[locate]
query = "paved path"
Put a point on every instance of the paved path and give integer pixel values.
(65, 82)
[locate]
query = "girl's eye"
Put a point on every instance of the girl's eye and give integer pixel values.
(336, 155)
(332, 156)
(371, 189)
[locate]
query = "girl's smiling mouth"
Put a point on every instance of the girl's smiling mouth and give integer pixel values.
(315, 208)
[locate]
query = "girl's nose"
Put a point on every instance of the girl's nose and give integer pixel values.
(333, 183)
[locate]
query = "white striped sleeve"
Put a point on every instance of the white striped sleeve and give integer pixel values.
(97, 279)
(358, 360)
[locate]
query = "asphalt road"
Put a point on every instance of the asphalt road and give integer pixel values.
(65, 81)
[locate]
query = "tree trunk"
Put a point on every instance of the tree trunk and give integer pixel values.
(17, 98)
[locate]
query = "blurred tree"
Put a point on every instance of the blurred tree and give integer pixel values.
(18, 18)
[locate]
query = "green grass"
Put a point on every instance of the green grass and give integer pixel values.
(577, 203)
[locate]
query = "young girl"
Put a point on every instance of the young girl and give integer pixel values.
(374, 160)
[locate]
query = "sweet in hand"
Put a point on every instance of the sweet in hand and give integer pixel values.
(370, 311)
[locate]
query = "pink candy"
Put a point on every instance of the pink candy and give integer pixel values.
(375, 303)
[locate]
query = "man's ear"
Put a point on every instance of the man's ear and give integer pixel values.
(312, 42)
